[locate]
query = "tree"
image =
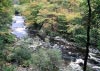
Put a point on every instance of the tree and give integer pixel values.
(25, 1)
(95, 23)
(5, 37)
(88, 36)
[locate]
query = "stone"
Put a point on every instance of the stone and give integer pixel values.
(96, 68)
(74, 67)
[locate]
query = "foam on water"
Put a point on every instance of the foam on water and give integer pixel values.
(18, 27)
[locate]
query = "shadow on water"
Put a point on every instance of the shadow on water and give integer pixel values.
(17, 13)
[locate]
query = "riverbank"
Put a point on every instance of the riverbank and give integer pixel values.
(72, 56)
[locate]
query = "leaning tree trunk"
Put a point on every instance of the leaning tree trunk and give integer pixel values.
(88, 36)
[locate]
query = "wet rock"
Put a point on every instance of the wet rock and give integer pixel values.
(94, 50)
(96, 68)
(79, 61)
(56, 46)
(93, 59)
(74, 67)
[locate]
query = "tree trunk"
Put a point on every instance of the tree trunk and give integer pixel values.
(88, 36)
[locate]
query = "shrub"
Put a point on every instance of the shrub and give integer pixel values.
(62, 25)
(47, 59)
(20, 55)
(9, 68)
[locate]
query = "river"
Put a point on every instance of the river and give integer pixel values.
(19, 30)
(18, 27)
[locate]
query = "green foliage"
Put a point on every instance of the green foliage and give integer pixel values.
(23, 53)
(47, 59)
(59, 18)
(34, 12)
(5, 16)
(62, 25)
(19, 55)
(5, 3)
(6, 39)
(80, 39)
(79, 35)
(25, 1)
(9, 68)
(94, 34)
(66, 18)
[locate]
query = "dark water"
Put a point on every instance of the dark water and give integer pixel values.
(18, 27)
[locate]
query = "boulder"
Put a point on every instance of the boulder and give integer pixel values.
(74, 67)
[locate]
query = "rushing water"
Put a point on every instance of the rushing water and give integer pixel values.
(19, 30)
(18, 27)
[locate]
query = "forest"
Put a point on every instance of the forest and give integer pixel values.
(49, 35)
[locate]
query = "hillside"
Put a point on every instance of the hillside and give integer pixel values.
(49, 35)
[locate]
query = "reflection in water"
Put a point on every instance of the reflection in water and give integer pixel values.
(18, 27)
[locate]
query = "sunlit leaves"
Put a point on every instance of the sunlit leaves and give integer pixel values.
(5, 19)
(72, 28)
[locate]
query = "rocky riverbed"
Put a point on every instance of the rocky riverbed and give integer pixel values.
(72, 55)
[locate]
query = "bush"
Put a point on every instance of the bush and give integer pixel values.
(80, 39)
(20, 55)
(9, 68)
(47, 59)
(62, 25)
